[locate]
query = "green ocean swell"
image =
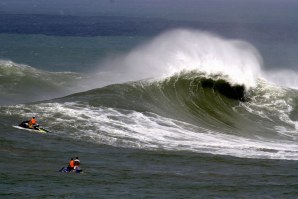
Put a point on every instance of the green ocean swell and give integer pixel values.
(22, 83)
(176, 113)
(184, 97)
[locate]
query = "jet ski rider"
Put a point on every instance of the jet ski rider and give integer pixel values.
(33, 123)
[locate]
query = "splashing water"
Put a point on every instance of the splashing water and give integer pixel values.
(185, 50)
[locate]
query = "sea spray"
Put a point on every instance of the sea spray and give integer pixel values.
(284, 78)
(185, 50)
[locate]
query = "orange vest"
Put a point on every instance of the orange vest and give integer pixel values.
(71, 163)
(32, 121)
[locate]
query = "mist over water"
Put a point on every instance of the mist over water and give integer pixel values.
(185, 50)
(181, 50)
(284, 78)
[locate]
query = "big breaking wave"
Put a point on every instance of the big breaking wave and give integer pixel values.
(172, 110)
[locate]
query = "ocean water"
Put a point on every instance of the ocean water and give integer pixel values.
(153, 107)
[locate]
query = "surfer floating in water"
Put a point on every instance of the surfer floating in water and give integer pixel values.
(73, 166)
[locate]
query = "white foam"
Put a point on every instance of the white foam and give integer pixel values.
(123, 128)
(275, 105)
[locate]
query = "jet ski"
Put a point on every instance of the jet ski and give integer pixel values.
(68, 170)
(36, 128)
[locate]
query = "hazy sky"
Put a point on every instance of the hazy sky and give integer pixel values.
(229, 10)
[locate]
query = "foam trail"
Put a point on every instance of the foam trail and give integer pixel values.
(185, 50)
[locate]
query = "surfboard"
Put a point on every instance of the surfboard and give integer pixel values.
(40, 130)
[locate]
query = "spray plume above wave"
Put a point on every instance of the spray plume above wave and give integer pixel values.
(186, 50)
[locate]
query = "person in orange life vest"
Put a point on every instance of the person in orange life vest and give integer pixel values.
(32, 123)
(71, 164)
